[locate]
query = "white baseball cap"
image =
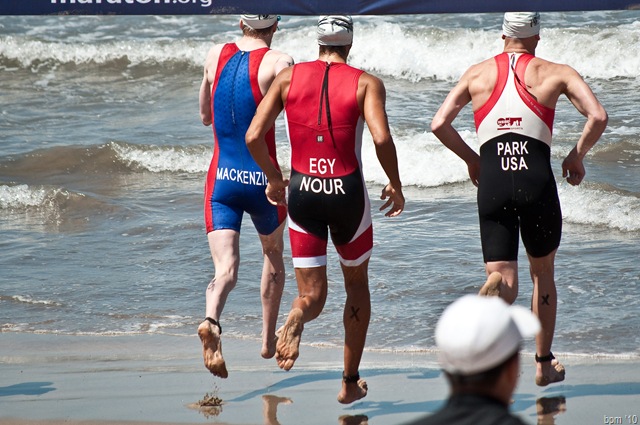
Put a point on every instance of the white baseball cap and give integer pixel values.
(521, 24)
(258, 22)
(335, 30)
(477, 333)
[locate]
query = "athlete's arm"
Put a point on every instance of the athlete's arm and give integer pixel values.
(581, 96)
(265, 117)
(205, 100)
(205, 87)
(443, 129)
(375, 115)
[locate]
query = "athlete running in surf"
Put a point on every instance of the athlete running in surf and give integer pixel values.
(236, 77)
(327, 103)
(513, 97)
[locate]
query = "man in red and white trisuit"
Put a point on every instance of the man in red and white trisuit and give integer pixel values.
(513, 96)
(327, 103)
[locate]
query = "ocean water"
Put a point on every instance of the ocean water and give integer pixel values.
(103, 159)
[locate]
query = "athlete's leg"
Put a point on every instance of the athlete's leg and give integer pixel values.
(544, 303)
(509, 271)
(225, 252)
(312, 295)
(271, 286)
(357, 313)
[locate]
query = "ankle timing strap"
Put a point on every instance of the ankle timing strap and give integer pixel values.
(546, 358)
(351, 379)
(214, 322)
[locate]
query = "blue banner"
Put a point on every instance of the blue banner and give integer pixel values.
(298, 7)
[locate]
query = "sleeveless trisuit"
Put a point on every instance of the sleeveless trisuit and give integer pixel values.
(517, 191)
(235, 183)
(327, 192)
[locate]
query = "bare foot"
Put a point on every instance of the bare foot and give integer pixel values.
(492, 286)
(269, 347)
(212, 349)
(549, 373)
(352, 391)
(287, 347)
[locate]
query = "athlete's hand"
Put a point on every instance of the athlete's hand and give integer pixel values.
(474, 171)
(395, 197)
(573, 168)
(276, 191)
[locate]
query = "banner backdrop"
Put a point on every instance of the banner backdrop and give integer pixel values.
(298, 7)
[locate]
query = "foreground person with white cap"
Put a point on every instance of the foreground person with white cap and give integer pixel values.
(513, 96)
(236, 77)
(479, 341)
(327, 103)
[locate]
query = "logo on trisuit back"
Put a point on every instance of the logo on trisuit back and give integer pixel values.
(509, 123)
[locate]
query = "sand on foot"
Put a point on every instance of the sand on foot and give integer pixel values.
(491, 287)
(288, 345)
(212, 349)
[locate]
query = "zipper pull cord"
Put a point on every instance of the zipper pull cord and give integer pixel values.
(324, 95)
(513, 68)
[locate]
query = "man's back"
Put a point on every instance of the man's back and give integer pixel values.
(273, 62)
(322, 107)
(235, 93)
(544, 80)
(268, 67)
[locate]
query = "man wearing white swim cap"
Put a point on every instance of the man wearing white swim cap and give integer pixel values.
(327, 103)
(236, 77)
(513, 96)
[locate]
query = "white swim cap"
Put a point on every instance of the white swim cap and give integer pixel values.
(258, 22)
(521, 24)
(335, 30)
